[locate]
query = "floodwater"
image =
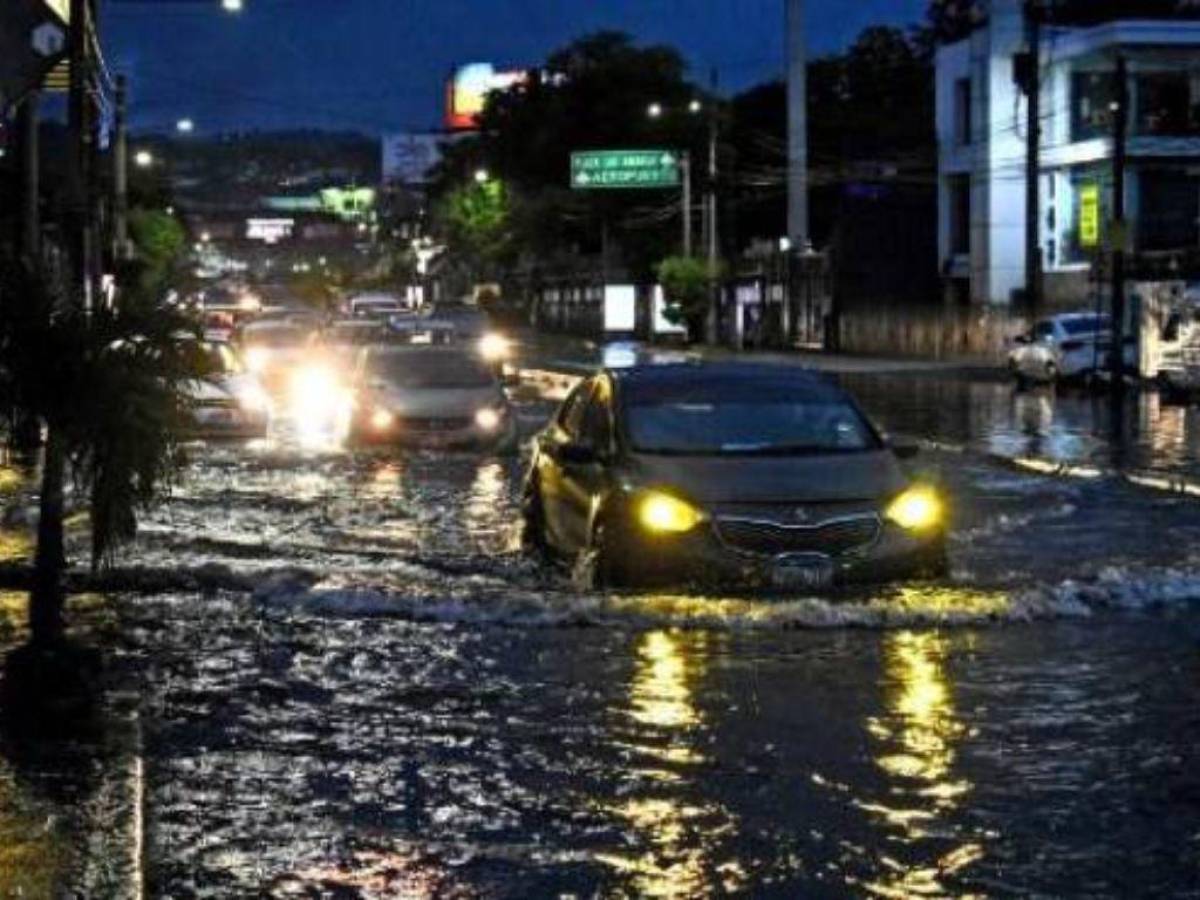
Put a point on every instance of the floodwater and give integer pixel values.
(350, 683)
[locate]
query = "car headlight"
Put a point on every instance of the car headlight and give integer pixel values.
(382, 420)
(663, 514)
(257, 358)
(494, 347)
(315, 391)
(917, 509)
(488, 418)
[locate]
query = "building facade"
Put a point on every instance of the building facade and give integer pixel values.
(982, 141)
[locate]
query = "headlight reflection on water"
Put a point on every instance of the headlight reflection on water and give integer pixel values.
(919, 737)
(676, 838)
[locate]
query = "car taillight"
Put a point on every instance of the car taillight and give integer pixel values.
(1071, 346)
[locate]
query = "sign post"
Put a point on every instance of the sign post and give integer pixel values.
(608, 170)
(624, 169)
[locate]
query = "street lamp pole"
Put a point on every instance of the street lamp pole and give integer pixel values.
(711, 205)
(685, 170)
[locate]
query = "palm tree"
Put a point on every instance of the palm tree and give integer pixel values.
(109, 385)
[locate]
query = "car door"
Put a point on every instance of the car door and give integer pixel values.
(551, 474)
(583, 482)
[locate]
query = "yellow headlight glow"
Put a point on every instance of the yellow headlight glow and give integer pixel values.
(382, 420)
(917, 509)
(494, 347)
(488, 419)
(665, 514)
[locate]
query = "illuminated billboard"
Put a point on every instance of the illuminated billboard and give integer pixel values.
(467, 92)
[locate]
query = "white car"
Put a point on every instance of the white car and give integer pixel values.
(1072, 345)
(231, 401)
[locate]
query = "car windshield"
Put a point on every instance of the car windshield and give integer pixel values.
(282, 336)
(353, 335)
(432, 369)
(746, 426)
(1085, 325)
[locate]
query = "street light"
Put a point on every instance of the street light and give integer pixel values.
(185, 126)
(231, 5)
(654, 110)
(695, 106)
(143, 159)
(481, 176)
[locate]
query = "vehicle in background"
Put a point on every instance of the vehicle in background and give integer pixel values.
(231, 401)
(753, 475)
(272, 348)
(376, 306)
(1068, 346)
(473, 326)
(431, 397)
(219, 326)
(1179, 354)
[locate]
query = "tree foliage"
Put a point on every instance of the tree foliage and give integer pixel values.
(591, 94)
(687, 284)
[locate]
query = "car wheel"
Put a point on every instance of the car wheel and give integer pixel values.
(597, 567)
(533, 523)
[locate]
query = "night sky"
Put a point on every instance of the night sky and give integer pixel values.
(379, 65)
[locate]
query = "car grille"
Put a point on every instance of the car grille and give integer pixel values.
(424, 423)
(831, 539)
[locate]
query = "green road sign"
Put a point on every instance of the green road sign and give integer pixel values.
(616, 169)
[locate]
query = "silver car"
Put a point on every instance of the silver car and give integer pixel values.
(430, 397)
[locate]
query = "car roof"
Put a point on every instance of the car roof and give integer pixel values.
(802, 383)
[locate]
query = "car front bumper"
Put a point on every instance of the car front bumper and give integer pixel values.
(228, 421)
(707, 558)
(470, 436)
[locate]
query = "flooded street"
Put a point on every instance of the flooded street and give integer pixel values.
(395, 702)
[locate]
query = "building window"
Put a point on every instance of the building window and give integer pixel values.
(960, 215)
(1166, 104)
(962, 111)
(1168, 207)
(1092, 96)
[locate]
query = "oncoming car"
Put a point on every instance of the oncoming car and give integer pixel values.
(230, 401)
(431, 397)
(759, 476)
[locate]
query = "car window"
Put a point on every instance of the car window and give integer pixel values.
(570, 418)
(596, 421)
(1085, 325)
(1043, 331)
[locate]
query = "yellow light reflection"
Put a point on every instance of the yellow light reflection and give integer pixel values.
(677, 837)
(15, 545)
(919, 738)
(661, 695)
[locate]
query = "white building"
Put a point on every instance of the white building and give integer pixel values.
(981, 130)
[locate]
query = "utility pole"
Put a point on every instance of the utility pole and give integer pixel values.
(1032, 84)
(30, 230)
(797, 51)
(120, 156)
(1119, 230)
(710, 203)
(685, 167)
(78, 205)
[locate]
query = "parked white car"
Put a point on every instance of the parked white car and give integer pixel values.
(230, 402)
(1072, 345)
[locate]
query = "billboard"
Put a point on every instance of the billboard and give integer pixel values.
(467, 92)
(409, 158)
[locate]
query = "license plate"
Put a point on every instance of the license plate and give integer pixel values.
(802, 575)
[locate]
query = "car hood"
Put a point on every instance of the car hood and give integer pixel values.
(436, 401)
(774, 479)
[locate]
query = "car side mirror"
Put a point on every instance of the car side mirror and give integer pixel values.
(906, 450)
(578, 455)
